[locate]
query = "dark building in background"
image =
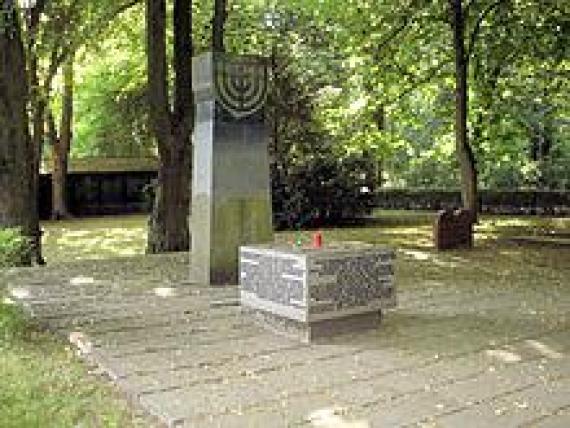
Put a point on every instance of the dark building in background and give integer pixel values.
(107, 186)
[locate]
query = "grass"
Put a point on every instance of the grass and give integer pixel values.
(124, 236)
(94, 238)
(45, 384)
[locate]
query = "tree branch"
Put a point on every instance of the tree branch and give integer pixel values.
(477, 28)
(157, 67)
(395, 32)
(183, 101)
(434, 72)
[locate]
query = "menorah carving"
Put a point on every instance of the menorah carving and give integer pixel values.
(231, 199)
(240, 86)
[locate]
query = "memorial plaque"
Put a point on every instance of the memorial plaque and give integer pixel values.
(307, 293)
(231, 194)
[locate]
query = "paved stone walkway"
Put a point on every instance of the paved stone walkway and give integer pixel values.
(450, 356)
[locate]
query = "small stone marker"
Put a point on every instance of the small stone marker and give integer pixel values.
(308, 293)
(453, 229)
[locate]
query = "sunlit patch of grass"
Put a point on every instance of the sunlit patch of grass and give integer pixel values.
(495, 254)
(125, 236)
(508, 226)
(95, 238)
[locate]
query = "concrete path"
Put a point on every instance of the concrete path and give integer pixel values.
(460, 355)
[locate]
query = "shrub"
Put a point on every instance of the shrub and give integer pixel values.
(315, 181)
(15, 249)
(322, 190)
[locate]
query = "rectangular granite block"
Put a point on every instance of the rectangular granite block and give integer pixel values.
(309, 286)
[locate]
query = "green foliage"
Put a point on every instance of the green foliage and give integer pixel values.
(111, 102)
(15, 249)
(380, 80)
(397, 58)
(315, 179)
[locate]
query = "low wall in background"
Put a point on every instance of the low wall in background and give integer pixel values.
(113, 193)
(541, 202)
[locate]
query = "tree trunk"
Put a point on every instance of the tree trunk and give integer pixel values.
(172, 127)
(464, 151)
(218, 24)
(168, 228)
(61, 147)
(17, 192)
(38, 126)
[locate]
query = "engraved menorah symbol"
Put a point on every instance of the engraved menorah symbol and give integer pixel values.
(241, 87)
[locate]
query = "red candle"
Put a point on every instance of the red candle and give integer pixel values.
(317, 240)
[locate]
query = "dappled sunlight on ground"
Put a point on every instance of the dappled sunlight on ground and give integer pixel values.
(125, 236)
(465, 318)
(496, 258)
(94, 238)
(82, 280)
(503, 355)
(545, 350)
(548, 229)
(514, 354)
(434, 258)
(165, 291)
(334, 417)
(20, 293)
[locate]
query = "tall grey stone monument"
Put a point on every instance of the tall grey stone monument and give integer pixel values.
(231, 193)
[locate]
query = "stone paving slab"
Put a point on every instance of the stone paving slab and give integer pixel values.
(557, 420)
(137, 321)
(349, 385)
(220, 370)
(263, 344)
(164, 334)
(449, 356)
(114, 304)
(518, 408)
(369, 361)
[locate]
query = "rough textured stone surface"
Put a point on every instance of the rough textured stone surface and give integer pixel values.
(307, 293)
(453, 229)
(231, 199)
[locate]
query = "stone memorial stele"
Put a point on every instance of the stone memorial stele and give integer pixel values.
(231, 193)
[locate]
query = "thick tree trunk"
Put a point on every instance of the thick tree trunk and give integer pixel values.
(61, 147)
(168, 226)
(464, 152)
(18, 195)
(172, 127)
(218, 25)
